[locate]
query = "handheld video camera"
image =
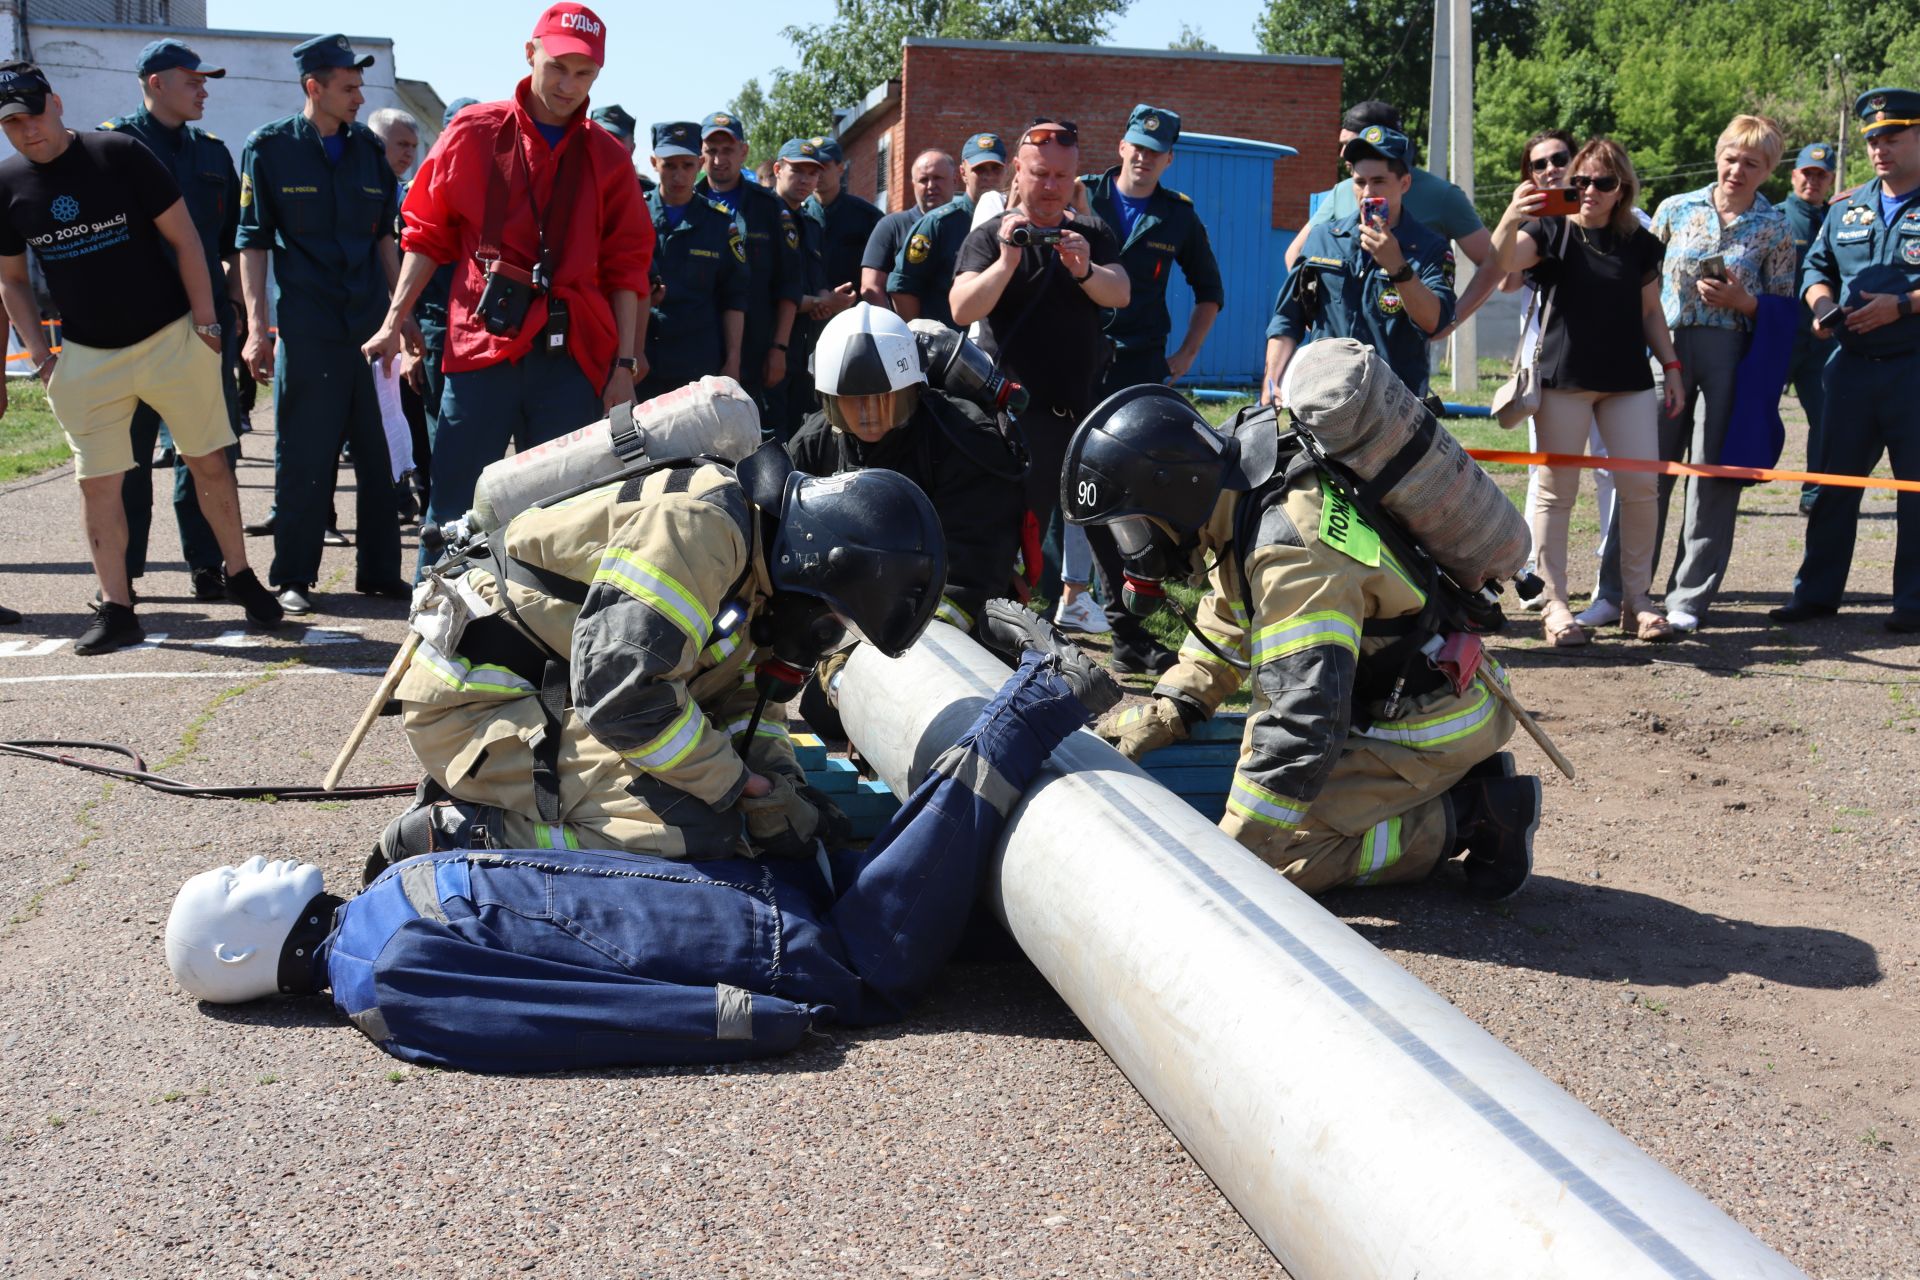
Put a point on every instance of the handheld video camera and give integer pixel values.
(1032, 235)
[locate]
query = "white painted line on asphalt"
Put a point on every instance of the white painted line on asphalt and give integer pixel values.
(225, 640)
(192, 675)
(28, 649)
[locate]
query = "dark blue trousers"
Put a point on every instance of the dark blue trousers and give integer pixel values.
(323, 398)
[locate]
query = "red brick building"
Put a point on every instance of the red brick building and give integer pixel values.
(949, 89)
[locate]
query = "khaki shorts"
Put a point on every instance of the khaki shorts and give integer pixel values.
(94, 389)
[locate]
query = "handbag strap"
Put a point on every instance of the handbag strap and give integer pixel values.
(1544, 296)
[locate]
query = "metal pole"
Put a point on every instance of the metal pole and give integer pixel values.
(1466, 339)
(1360, 1124)
(1439, 95)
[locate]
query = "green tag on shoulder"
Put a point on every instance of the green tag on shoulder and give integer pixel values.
(1342, 528)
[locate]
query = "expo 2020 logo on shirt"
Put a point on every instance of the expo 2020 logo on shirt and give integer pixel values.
(66, 208)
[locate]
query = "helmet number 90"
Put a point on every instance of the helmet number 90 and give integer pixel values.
(1089, 495)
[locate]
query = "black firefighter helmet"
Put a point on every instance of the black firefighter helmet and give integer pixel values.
(854, 556)
(1146, 464)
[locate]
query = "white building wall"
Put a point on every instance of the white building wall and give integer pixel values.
(91, 68)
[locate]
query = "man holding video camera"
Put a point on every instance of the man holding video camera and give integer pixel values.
(536, 208)
(1041, 281)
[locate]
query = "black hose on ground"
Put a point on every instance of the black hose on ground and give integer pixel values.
(35, 749)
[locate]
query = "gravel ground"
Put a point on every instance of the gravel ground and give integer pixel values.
(1719, 955)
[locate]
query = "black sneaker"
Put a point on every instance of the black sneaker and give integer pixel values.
(296, 598)
(114, 627)
(1494, 822)
(9, 617)
(209, 584)
(259, 528)
(1902, 624)
(1793, 611)
(244, 589)
(390, 589)
(334, 538)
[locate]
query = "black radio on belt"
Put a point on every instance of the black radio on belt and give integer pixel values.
(553, 338)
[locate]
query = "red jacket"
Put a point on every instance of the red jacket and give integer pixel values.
(606, 245)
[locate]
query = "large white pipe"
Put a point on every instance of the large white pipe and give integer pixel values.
(1360, 1124)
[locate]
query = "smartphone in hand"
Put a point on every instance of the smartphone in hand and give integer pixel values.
(1374, 210)
(1713, 267)
(1561, 202)
(1829, 315)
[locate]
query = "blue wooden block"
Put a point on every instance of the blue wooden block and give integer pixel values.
(809, 751)
(1191, 780)
(1220, 755)
(878, 788)
(1220, 729)
(836, 776)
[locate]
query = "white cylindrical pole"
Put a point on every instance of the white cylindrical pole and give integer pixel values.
(1360, 1123)
(1466, 339)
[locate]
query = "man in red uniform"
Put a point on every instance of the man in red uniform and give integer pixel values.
(536, 208)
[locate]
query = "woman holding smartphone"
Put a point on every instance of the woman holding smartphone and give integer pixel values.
(1599, 273)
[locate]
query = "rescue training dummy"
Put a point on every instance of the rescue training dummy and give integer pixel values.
(923, 401)
(543, 960)
(1372, 747)
(586, 675)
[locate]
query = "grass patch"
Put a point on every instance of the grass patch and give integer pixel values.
(30, 440)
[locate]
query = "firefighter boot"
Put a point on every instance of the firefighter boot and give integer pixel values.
(1494, 818)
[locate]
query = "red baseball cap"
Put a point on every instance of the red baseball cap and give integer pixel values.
(572, 28)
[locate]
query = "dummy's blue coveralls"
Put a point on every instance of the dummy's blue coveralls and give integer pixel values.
(554, 959)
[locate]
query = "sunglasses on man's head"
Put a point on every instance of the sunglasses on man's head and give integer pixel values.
(1041, 129)
(1605, 182)
(1553, 161)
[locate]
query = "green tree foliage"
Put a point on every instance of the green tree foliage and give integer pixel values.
(1387, 45)
(1663, 77)
(842, 61)
(1193, 40)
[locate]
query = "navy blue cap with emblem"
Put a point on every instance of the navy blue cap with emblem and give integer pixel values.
(1883, 109)
(984, 146)
(799, 151)
(676, 138)
(722, 122)
(165, 55)
(1154, 128)
(615, 119)
(23, 89)
(1378, 140)
(829, 150)
(1815, 155)
(325, 52)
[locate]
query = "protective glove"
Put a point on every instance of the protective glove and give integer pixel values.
(1144, 727)
(1009, 628)
(786, 821)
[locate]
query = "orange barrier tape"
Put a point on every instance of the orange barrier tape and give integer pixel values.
(25, 355)
(1687, 469)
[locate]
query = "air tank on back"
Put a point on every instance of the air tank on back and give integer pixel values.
(1363, 416)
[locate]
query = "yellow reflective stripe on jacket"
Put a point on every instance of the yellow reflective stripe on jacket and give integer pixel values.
(1252, 801)
(464, 677)
(765, 729)
(1379, 849)
(658, 588)
(674, 744)
(953, 615)
(559, 836)
(1327, 626)
(1440, 730)
(723, 648)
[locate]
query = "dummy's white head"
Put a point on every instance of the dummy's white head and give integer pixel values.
(229, 924)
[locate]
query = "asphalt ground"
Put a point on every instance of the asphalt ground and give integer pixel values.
(1719, 954)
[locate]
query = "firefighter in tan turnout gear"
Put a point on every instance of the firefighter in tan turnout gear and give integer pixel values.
(1372, 747)
(600, 700)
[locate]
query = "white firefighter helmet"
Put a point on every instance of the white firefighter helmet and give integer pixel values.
(868, 371)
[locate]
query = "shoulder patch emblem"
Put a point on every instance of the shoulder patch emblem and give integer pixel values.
(1910, 251)
(792, 230)
(1390, 304)
(246, 190)
(1181, 196)
(735, 243)
(918, 247)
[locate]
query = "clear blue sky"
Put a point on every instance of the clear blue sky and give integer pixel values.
(661, 57)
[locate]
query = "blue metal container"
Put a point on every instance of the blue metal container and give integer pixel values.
(1230, 181)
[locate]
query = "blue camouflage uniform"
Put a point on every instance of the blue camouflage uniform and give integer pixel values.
(924, 269)
(799, 399)
(324, 222)
(1809, 353)
(1355, 298)
(700, 263)
(210, 185)
(773, 260)
(545, 960)
(1166, 231)
(1869, 244)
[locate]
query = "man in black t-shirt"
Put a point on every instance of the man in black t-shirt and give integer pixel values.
(126, 268)
(1045, 306)
(933, 176)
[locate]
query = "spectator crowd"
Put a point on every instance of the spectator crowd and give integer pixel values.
(421, 315)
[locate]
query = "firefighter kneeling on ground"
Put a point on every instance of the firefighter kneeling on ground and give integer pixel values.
(1372, 746)
(600, 700)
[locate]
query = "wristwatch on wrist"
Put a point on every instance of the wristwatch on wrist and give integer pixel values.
(628, 363)
(1404, 274)
(208, 330)
(1906, 305)
(1084, 278)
